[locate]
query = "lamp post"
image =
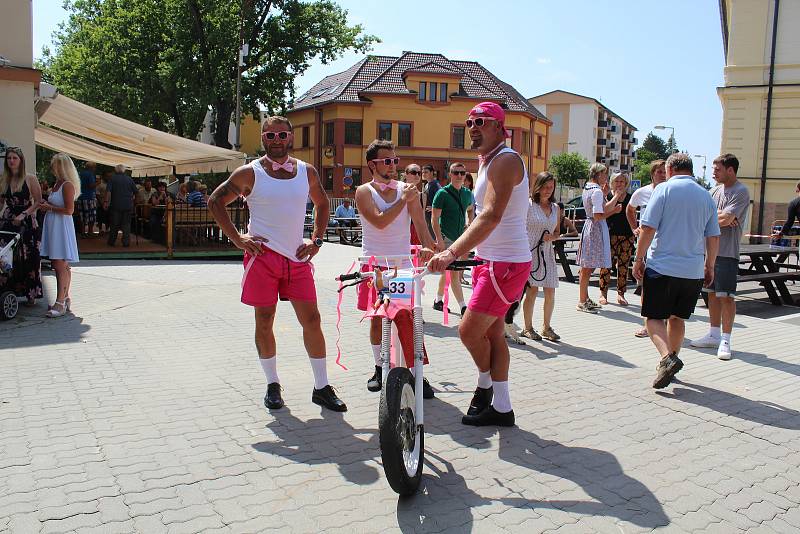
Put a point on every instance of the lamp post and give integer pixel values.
(704, 164)
(672, 132)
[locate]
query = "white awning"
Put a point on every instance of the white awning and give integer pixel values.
(185, 154)
(88, 151)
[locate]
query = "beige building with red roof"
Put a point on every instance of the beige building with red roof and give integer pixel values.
(418, 101)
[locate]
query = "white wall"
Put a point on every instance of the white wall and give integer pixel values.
(582, 124)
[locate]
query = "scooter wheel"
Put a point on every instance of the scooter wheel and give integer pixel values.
(402, 440)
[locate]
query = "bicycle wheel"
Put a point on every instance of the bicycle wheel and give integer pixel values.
(402, 441)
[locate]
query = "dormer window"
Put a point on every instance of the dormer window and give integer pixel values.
(432, 92)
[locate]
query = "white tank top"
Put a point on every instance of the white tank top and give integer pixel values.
(278, 209)
(395, 239)
(509, 240)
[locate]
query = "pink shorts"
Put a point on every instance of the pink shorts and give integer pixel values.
(509, 279)
(272, 275)
(367, 295)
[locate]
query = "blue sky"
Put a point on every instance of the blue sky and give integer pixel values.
(652, 62)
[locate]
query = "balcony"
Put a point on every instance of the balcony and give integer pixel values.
(613, 128)
(601, 159)
(601, 142)
(623, 167)
(602, 124)
(634, 140)
(625, 136)
(625, 151)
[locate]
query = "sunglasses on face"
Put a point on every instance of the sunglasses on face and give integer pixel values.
(387, 161)
(281, 135)
(458, 173)
(479, 122)
(412, 171)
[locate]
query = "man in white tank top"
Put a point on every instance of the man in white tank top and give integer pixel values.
(276, 257)
(386, 208)
(500, 236)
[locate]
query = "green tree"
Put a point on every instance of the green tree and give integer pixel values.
(643, 159)
(165, 63)
(655, 145)
(568, 168)
(672, 145)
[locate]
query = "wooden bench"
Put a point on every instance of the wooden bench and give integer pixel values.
(761, 277)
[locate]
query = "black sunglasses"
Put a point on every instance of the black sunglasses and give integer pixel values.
(412, 171)
(459, 173)
(281, 135)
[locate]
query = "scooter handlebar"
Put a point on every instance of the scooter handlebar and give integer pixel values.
(460, 265)
(347, 277)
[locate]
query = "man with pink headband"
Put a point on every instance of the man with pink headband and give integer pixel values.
(386, 208)
(276, 257)
(499, 234)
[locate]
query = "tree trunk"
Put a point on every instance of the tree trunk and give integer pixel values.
(222, 111)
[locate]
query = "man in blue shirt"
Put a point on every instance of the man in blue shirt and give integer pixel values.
(680, 236)
(87, 205)
(344, 217)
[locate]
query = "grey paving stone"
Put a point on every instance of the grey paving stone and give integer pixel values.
(157, 434)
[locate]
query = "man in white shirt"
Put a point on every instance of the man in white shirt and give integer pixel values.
(639, 199)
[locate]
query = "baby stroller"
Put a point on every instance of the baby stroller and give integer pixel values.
(8, 299)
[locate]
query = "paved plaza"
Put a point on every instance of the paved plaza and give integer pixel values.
(142, 412)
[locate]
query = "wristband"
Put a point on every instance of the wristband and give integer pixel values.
(455, 256)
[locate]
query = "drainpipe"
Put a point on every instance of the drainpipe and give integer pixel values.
(762, 193)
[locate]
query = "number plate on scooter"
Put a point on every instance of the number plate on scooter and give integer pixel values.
(400, 289)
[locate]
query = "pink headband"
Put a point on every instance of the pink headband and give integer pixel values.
(490, 109)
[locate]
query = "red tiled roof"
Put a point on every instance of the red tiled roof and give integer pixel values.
(384, 75)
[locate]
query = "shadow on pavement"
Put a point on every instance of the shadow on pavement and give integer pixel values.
(581, 353)
(16, 333)
(309, 442)
(445, 501)
(761, 360)
(760, 412)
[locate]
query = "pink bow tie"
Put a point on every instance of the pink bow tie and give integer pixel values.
(286, 165)
(383, 187)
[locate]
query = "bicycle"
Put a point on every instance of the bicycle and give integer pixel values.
(400, 415)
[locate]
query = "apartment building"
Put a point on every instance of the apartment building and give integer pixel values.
(582, 124)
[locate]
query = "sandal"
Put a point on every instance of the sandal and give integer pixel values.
(641, 333)
(603, 300)
(530, 333)
(621, 300)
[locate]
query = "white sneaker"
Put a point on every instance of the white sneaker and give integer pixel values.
(724, 351)
(707, 341)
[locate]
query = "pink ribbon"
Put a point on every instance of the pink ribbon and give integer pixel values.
(339, 319)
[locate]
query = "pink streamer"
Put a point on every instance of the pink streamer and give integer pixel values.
(339, 320)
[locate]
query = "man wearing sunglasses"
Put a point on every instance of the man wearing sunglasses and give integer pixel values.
(386, 208)
(499, 234)
(276, 257)
(449, 219)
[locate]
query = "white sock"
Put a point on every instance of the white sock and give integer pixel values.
(439, 298)
(376, 353)
(501, 400)
(318, 366)
(714, 331)
(461, 304)
(270, 368)
(726, 338)
(484, 379)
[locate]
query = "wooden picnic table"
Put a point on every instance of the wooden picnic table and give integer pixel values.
(563, 259)
(766, 272)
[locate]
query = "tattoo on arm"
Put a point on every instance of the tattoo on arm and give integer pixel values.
(225, 189)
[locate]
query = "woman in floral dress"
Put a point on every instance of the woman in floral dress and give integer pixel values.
(594, 250)
(20, 196)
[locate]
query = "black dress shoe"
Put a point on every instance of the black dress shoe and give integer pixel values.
(427, 390)
(375, 383)
(273, 399)
(463, 310)
(481, 400)
(489, 417)
(327, 397)
(439, 306)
